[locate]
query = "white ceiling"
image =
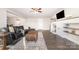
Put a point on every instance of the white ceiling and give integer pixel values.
(26, 12)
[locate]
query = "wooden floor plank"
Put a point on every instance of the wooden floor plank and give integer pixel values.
(55, 42)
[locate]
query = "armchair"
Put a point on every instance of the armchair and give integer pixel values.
(15, 33)
(11, 36)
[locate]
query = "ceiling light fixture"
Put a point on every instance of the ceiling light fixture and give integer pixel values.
(38, 10)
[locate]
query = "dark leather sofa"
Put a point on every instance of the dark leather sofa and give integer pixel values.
(18, 31)
(14, 37)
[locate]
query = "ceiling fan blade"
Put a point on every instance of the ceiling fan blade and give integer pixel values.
(40, 11)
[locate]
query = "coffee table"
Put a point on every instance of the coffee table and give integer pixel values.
(31, 36)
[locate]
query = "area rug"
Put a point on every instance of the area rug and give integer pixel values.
(23, 44)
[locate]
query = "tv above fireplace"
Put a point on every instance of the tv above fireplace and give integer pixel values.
(60, 15)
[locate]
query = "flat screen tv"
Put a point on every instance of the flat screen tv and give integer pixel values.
(60, 14)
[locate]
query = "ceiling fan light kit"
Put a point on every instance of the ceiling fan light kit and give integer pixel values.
(38, 10)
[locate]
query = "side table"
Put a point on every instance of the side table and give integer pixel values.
(3, 40)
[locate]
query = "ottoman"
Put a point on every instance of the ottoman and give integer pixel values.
(32, 36)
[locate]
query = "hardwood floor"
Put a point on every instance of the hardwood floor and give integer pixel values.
(55, 42)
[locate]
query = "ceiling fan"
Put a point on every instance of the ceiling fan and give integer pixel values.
(39, 10)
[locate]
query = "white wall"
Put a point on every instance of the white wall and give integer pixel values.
(71, 12)
(3, 18)
(15, 21)
(11, 20)
(37, 23)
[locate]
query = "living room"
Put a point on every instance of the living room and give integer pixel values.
(55, 33)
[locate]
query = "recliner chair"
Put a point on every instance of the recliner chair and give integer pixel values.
(15, 33)
(12, 36)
